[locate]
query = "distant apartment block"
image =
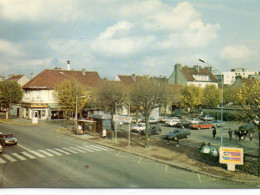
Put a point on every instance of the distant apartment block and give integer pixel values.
(230, 77)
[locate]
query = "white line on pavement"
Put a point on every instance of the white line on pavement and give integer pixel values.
(9, 157)
(46, 153)
(28, 155)
(18, 156)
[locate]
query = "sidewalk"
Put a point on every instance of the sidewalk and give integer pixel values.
(158, 151)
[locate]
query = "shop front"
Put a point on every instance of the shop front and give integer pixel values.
(35, 110)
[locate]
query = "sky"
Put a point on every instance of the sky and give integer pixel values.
(122, 37)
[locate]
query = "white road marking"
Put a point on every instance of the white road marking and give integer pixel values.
(62, 151)
(70, 150)
(77, 149)
(91, 148)
(46, 153)
(9, 158)
(18, 156)
(95, 146)
(100, 146)
(2, 161)
(54, 152)
(85, 149)
(37, 154)
(28, 155)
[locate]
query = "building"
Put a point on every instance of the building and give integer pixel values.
(21, 79)
(196, 75)
(38, 97)
(230, 77)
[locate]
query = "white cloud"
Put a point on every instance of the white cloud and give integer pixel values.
(111, 42)
(10, 49)
(236, 54)
(39, 10)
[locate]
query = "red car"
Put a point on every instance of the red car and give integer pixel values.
(202, 125)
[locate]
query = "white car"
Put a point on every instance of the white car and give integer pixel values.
(172, 122)
(153, 121)
(139, 127)
(195, 121)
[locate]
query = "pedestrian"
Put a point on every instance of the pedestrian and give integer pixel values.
(239, 135)
(214, 132)
(251, 136)
(230, 134)
(245, 135)
(236, 133)
(202, 145)
(209, 144)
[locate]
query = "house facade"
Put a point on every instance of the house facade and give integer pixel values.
(38, 100)
(196, 75)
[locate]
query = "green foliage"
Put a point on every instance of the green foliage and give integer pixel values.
(11, 93)
(191, 96)
(65, 93)
(230, 94)
(211, 96)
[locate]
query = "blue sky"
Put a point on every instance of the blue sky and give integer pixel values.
(125, 37)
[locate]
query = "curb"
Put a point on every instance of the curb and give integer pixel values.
(168, 163)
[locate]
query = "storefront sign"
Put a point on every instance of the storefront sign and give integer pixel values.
(124, 119)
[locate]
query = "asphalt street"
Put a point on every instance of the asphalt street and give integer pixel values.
(44, 158)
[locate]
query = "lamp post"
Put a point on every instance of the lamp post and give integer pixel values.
(76, 113)
(222, 83)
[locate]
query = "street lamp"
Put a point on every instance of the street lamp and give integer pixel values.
(76, 113)
(222, 83)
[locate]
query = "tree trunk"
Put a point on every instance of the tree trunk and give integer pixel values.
(258, 152)
(7, 114)
(146, 130)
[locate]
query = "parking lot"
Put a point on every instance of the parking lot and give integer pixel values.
(205, 135)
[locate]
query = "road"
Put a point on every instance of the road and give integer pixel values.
(44, 158)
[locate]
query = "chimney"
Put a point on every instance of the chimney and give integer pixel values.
(84, 71)
(68, 65)
(31, 75)
(134, 77)
(177, 70)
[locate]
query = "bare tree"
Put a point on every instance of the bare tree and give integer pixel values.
(146, 94)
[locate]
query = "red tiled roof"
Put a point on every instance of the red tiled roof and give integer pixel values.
(49, 78)
(15, 77)
(189, 72)
(126, 79)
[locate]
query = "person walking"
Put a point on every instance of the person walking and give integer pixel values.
(214, 132)
(230, 134)
(239, 135)
(236, 133)
(251, 135)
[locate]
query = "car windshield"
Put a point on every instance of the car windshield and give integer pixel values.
(8, 135)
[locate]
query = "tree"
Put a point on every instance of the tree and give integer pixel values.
(11, 93)
(65, 93)
(249, 99)
(146, 94)
(111, 94)
(228, 94)
(211, 96)
(190, 96)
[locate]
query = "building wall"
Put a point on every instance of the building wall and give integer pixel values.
(201, 84)
(230, 77)
(177, 77)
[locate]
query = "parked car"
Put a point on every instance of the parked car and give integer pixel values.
(183, 124)
(207, 118)
(7, 139)
(202, 125)
(153, 121)
(217, 123)
(177, 134)
(248, 127)
(139, 127)
(195, 121)
(163, 119)
(172, 122)
(152, 130)
(134, 120)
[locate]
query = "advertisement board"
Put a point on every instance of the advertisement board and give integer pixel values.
(125, 119)
(233, 156)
